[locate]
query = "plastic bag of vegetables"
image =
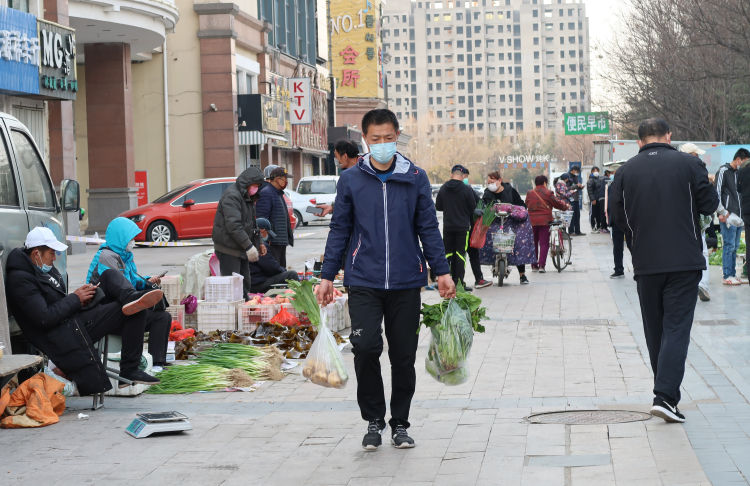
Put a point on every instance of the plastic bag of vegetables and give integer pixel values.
(324, 365)
(450, 345)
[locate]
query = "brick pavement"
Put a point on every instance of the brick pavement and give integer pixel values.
(567, 341)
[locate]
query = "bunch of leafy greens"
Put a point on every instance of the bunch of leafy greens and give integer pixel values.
(432, 315)
(488, 215)
(305, 301)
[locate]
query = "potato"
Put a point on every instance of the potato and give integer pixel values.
(321, 376)
(307, 372)
(334, 379)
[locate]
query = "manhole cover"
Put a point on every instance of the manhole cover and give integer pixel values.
(588, 417)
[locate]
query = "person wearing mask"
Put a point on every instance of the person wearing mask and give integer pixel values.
(384, 210)
(267, 272)
(657, 197)
(743, 186)
(271, 205)
(575, 187)
(592, 188)
(540, 202)
(730, 211)
(456, 200)
(498, 191)
(474, 259)
(66, 326)
(235, 236)
(561, 187)
(117, 253)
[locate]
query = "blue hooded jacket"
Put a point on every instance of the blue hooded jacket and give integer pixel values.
(113, 253)
(378, 226)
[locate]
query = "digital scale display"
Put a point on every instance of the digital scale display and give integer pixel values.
(146, 424)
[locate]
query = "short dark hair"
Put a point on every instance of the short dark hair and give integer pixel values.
(607, 172)
(495, 175)
(575, 168)
(347, 147)
(540, 180)
(594, 168)
(742, 154)
(379, 117)
(653, 127)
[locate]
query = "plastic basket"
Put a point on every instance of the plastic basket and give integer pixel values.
(504, 242)
(249, 316)
(224, 289)
(220, 316)
(567, 217)
(178, 313)
(171, 285)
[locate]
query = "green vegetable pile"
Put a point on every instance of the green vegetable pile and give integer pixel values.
(304, 300)
(488, 213)
(191, 378)
(452, 324)
(716, 257)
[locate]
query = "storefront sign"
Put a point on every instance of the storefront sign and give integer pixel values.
(141, 183)
(262, 113)
(57, 61)
(314, 136)
(586, 123)
(300, 108)
(19, 52)
(354, 30)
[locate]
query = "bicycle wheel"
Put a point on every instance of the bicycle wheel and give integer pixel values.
(556, 252)
(567, 247)
(501, 264)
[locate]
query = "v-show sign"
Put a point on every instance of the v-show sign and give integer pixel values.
(300, 106)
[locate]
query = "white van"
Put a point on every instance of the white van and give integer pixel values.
(27, 199)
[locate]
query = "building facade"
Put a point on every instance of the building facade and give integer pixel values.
(494, 67)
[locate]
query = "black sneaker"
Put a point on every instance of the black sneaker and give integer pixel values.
(617, 275)
(400, 439)
(468, 289)
(524, 280)
(138, 377)
(665, 410)
(372, 439)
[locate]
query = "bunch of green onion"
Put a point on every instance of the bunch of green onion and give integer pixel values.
(235, 355)
(191, 378)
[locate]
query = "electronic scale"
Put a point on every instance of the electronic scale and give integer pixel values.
(146, 424)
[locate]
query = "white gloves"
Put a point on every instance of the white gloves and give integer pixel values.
(252, 254)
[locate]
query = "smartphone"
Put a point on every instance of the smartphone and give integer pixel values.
(314, 210)
(162, 274)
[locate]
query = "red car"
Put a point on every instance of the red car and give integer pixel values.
(183, 213)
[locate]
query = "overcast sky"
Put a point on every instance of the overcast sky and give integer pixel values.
(605, 18)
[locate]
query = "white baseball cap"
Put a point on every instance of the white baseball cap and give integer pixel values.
(691, 148)
(41, 236)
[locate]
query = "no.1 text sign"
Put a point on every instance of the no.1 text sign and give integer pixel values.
(300, 107)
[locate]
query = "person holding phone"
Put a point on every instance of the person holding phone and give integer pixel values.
(117, 253)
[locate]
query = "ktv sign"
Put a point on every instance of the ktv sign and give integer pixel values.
(300, 107)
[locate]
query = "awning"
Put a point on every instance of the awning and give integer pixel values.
(276, 137)
(252, 138)
(314, 152)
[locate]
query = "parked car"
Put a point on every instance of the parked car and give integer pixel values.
(183, 213)
(28, 199)
(311, 191)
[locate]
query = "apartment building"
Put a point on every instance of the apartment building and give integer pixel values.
(496, 67)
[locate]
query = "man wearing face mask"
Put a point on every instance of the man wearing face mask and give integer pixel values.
(267, 272)
(236, 238)
(117, 253)
(66, 326)
(271, 205)
(384, 210)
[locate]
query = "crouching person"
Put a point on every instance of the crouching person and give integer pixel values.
(267, 271)
(66, 326)
(117, 254)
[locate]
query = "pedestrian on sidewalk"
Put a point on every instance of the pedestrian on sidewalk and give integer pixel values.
(498, 191)
(601, 197)
(539, 202)
(575, 187)
(657, 197)
(474, 259)
(730, 211)
(619, 237)
(272, 206)
(743, 186)
(593, 186)
(384, 210)
(456, 200)
(705, 221)
(235, 235)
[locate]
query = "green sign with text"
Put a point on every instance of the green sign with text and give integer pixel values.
(588, 123)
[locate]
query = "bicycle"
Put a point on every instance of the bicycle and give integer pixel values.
(503, 244)
(560, 244)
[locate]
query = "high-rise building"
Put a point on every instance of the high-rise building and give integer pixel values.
(490, 66)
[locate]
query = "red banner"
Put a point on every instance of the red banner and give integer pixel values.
(141, 183)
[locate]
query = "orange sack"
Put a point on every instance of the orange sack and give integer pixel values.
(37, 402)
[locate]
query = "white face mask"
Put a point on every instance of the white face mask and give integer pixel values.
(131, 245)
(492, 187)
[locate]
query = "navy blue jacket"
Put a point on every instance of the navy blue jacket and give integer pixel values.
(266, 266)
(271, 205)
(379, 226)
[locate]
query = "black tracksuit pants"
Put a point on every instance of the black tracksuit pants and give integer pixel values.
(368, 308)
(476, 267)
(667, 308)
(618, 247)
(456, 243)
(575, 222)
(158, 324)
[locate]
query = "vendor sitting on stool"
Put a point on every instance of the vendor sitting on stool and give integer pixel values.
(266, 271)
(66, 326)
(117, 253)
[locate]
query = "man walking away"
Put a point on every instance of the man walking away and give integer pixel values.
(575, 186)
(456, 200)
(730, 211)
(657, 197)
(743, 186)
(272, 206)
(383, 211)
(236, 239)
(601, 196)
(705, 221)
(619, 237)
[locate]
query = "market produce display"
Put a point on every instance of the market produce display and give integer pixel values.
(452, 324)
(260, 363)
(199, 377)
